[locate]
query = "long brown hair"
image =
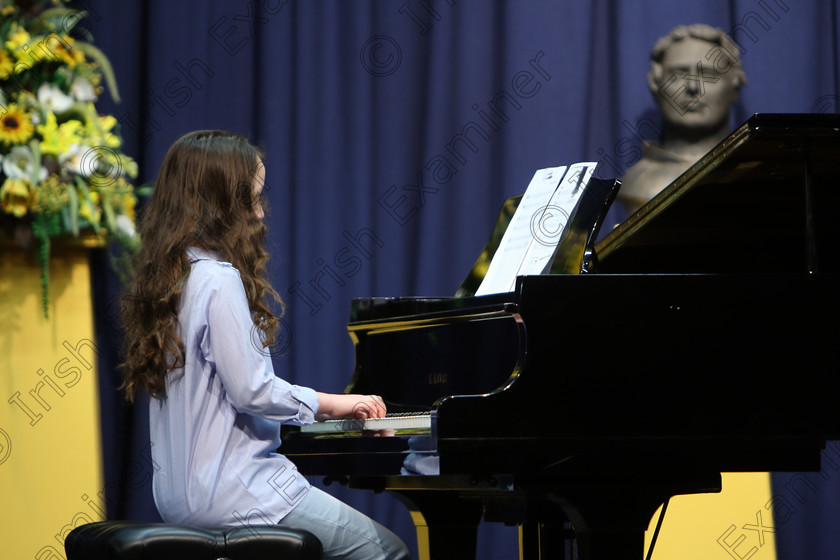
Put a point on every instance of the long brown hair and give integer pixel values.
(202, 197)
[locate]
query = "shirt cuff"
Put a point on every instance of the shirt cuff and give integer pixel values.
(309, 399)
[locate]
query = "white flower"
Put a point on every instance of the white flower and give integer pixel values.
(125, 225)
(53, 99)
(79, 159)
(19, 163)
(82, 90)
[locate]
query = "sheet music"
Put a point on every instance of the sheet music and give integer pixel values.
(537, 226)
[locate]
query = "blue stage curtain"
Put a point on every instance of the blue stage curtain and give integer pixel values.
(394, 131)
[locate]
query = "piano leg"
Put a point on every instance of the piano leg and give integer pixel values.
(447, 524)
(544, 541)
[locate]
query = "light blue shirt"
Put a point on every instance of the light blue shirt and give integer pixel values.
(215, 434)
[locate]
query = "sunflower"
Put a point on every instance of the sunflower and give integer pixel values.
(15, 125)
(62, 47)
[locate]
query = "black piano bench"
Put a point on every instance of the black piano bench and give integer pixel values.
(127, 540)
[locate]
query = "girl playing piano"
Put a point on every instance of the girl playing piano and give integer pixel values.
(198, 325)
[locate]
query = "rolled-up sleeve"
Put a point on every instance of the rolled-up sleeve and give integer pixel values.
(231, 343)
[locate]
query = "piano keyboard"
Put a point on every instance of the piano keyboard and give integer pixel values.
(396, 421)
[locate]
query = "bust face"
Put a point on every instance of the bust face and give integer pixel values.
(697, 88)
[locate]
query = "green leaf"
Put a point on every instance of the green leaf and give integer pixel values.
(87, 200)
(35, 147)
(44, 226)
(145, 189)
(59, 19)
(108, 211)
(73, 205)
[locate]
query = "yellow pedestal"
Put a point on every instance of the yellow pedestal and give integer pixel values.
(735, 524)
(50, 452)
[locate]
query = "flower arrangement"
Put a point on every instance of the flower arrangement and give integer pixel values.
(61, 169)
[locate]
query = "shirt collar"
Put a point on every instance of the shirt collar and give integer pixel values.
(199, 254)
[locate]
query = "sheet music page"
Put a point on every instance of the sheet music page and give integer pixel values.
(547, 229)
(537, 226)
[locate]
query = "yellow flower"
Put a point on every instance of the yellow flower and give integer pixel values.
(123, 198)
(57, 138)
(50, 196)
(62, 47)
(15, 125)
(98, 128)
(16, 196)
(113, 164)
(107, 122)
(90, 212)
(6, 64)
(129, 166)
(129, 202)
(97, 137)
(18, 38)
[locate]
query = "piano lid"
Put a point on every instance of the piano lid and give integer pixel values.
(761, 201)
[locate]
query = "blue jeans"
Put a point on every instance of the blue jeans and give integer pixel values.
(343, 531)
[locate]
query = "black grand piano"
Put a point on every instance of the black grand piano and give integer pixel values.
(698, 337)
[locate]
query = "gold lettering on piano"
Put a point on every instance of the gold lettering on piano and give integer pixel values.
(439, 378)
